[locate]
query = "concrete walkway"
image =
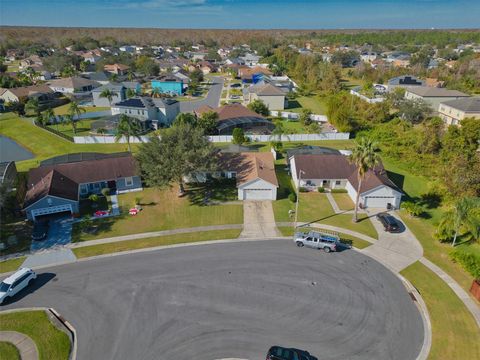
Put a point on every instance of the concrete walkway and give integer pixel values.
(115, 207)
(258, 220)
(25, 345)
(154, 234)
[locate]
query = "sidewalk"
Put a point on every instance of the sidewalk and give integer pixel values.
(25, 345)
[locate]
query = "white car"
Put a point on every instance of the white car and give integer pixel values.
(16, 282)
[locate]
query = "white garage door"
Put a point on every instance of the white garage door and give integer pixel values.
(258, 194)
(51, 210)
(379, 201)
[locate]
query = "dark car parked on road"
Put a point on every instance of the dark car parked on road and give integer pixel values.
(40, 230)
(281, 353)
(389, 223)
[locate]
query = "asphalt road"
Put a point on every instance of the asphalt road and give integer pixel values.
(232, 300)
(212, 99)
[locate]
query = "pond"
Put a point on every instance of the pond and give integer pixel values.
(11, 151)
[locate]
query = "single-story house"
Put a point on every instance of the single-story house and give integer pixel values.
(42, 92)
(206, 67)
(118, 69)
(253, 75)
(58, 188)
(433, 96)
(272, 96)
(333, 171)
(152, 113)
(233, 116)
(454, 111)
(73, 85)
(254, 173)
(168, 84)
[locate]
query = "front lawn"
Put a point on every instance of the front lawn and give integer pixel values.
(343, 201)
(45, 144)
(11, 264)
(455, 334)
(164, 210)
(52, 343)
(102, 249)
(9, 351)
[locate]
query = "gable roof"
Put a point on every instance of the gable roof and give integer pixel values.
(110, 86)
(25, 91)
(230, 111)
(250, 166)
(468, 105)
(143, 102)
(116, 67)
(73, 82)
(332, 166)
(426, 91)
(265, 90)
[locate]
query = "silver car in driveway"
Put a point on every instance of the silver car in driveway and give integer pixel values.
(317, 240)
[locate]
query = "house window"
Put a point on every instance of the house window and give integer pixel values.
(83, 189)
(129, 181)
(96, 186)
(233, 175)
(338, 182)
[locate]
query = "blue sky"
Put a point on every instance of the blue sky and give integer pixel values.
(245, 14)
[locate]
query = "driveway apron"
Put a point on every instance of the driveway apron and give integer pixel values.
(258, 220)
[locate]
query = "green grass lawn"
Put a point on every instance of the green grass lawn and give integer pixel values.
(63, 109)
(11, 265)
(315, 103)
(455, 334)
(83, 128)
(52, 343)
(45, 144)
(343, 201)
(163, 210)
(345, 238)
(424, 227)
(8, 351)
(95, 250)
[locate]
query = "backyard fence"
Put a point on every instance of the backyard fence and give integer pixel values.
(92, 115)
(53, 131)
(295, 116)
(366, 98)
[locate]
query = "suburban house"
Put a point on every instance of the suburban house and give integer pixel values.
(250, 59)
(42, 92)
(272, 96)
(8, 173)
(73, 85)
(58, 188)
(168, 84)
(433, 96)
(254, 173)
(404, 81)
(118, 94)
(454, 111)
(238, 116)
(253, 75)
(152, 113)
(206, 67)
(334, 171)
(118, 69)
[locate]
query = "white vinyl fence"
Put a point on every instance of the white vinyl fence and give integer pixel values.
(294, 116)
(366, 98)
(219, 138)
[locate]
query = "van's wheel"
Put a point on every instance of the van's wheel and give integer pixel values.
(326, 249)
(299, 244)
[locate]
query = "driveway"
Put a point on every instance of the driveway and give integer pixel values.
(59, 233)
(212, 99)
(232, 300)
(258, 220)
(397, 251)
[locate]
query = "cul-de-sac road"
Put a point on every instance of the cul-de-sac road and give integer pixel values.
(232, 300)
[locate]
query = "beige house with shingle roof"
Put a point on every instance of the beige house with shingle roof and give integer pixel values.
(272, 96)
(432, 95)
(454, 111)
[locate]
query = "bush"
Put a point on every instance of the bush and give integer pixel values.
(292, 197)
(303, 189)
(338, 191)
(412, 209)
(469, 261)
(321, 189)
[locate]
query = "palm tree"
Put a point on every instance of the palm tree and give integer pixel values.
(127, 127)
(48, 114)
(34, 106)
(463, 214)
(156, 93)
(75, 110)
(69, 119)
(276, 135)
(365, 157)
(130, 93)
(102, 131)
(108, 94)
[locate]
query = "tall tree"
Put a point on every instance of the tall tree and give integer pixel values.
(33, 106)
(208, 122)
(128, 128)
(365, 157)
(463, 214)
(259, 107)
(47, 115)
(182, 150)
(107, 94)
(276, 136)
(185, 118)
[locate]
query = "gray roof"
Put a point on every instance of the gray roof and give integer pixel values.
(265, 90)
(426, 91)
(110, 86)
(131, 84)
(143, 102)
(468, 105)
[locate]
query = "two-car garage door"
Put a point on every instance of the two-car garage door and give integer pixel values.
(379, 201)
(257, 194)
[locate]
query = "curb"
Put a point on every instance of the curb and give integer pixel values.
(65, 323)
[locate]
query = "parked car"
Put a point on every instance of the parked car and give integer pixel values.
(40, 230)
(281, 353)
(317, 240)
(16, 282)
(389, 223)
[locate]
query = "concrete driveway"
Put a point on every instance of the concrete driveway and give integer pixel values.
(258, 220)
(212, 99)
(395, 250)
(59, 233)
(232, 300)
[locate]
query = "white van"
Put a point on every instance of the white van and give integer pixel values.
(16, 282)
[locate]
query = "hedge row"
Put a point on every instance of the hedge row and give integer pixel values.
(469, 261)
